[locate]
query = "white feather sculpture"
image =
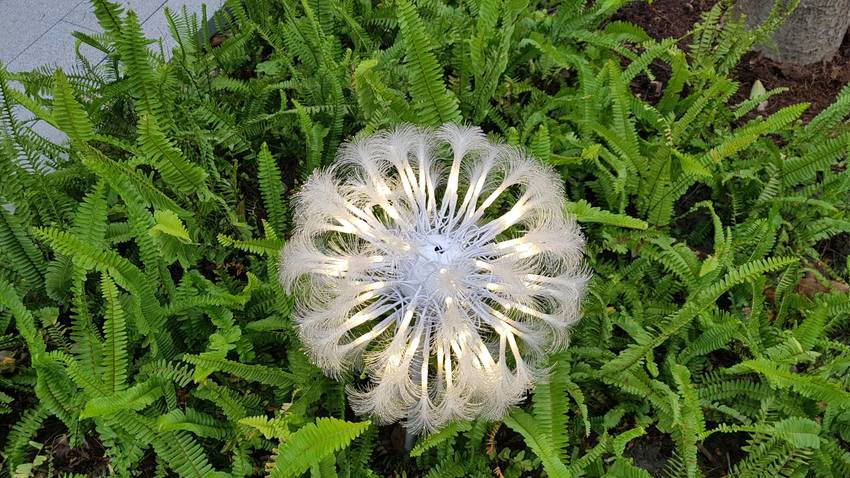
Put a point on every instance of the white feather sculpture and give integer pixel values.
(441, 262)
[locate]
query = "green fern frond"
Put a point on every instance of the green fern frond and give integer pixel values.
(134, 398)
(578, 466)
(434, 104)
(541, 146)
(200, 302)
(70, 115)
(24, 320)
(744, 137)
(184, 455)
(550, 408)
(447, 433)
(677, 258)
(192, 421)
(313, 443)
(133, 48)
(719, 89)
(17, 245)
(176, 170)
(234, 406)
(115, 338)
(809, 333)
(449, 467)
(254, 373)
(621, 441)
(691, 423)
(22, 432)
(539, 442)
(746, 106)
(797, 170)
(314, 134)
(108, 15)
(813, 387)
(57, 392)
(623, 469)
(15, 178)
(125, 273)
(674, 322)
(714, 338)
(271, 187)
(830, 117)
(178, 373)
(797, 431)
(123, 177)
(262, 247)
(276, 427)
(585, 212)
(717, 387)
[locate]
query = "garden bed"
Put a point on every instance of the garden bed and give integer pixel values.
(146, 331)
(817, 84)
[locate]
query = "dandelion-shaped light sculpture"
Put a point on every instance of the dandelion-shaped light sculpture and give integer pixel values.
(442, 263)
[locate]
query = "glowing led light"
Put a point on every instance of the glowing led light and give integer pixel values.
(365, 297)
(394, 361)
(513, 215)
(420, 273)
(448, 373)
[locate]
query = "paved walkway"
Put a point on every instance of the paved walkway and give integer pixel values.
(38, 32)
(35, 33)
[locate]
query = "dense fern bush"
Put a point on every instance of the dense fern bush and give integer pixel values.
(144, 331)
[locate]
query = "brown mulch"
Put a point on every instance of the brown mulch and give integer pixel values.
(817, 84)
(665, 18)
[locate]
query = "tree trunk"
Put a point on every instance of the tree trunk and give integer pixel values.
(812, 33)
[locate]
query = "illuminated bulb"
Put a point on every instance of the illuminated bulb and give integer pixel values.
(513, 215)
(383, 190)
(394, 361)
(376, 285)
(396, 247)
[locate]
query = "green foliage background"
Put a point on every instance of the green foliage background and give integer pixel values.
(141, 319)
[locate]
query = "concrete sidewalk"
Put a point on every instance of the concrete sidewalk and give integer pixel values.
(34, 33)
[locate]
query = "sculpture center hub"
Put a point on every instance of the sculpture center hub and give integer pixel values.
(435, 268)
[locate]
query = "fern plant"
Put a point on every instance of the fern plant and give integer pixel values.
(141, 320)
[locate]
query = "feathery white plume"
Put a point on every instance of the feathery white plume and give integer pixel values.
(443, 263)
